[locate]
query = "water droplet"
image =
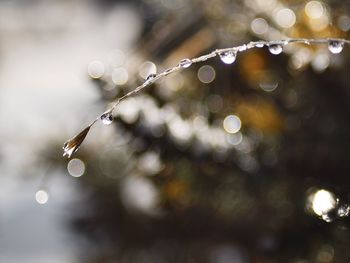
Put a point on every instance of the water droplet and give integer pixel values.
(107, 118)
(275, 49)
(343, 210)
(242, 48)
(259, 45)
(167, 71)
(228, 57)
(151, 76)
(335, 46)
(41, 196)
(185, 63)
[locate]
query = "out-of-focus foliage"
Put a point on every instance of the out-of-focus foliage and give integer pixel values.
(222, 163)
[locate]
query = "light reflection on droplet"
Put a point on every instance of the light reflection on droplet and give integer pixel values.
(107, 118)
(268, 86)
(320, 62)
(180, 129)
(120, 76)
(41, 196)
(314, 9)
(234, 139)
(228, 57)
(285, 17)
(117, 58)
(319, 24)
(335, 46)
(218, 139)
(259, 26)
(146, 69)
(300, 58)
(206, 74)
(199, 124)
(232, 124)
(96, 69)
(344, 23)
(185, 63)
(275, 49)
(76, 167)
(201, 130)
(140, 194)
(246, 145)
(150, 112)
(174, 82)
(129, 110)
(322, 202)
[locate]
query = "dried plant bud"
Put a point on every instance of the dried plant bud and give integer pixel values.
(72, 145)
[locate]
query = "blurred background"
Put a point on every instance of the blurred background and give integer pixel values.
(218, 163)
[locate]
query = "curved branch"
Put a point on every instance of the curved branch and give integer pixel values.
(335, 45)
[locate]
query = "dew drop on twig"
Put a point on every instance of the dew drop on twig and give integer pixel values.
(185, 63)
(275, 49)
(151, 76)
(107, 118)
(335, 46)
(228, 57)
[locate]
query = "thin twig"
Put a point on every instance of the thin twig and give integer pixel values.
(241, 48)
(187, 62)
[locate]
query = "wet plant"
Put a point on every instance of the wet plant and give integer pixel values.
(227, 56)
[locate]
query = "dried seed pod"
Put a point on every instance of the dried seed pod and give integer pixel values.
(72, 145)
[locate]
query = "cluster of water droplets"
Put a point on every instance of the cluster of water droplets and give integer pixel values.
(107, 118)
(275, 48)
(229, 57)
(341, 210)
(335, 46)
